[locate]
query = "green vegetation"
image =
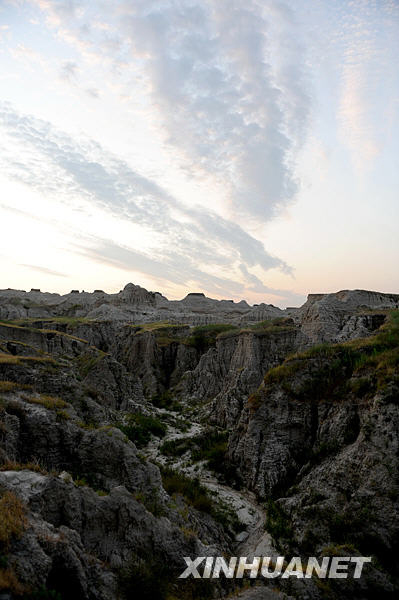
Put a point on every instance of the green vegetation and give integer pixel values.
(29, 466)
(210, 446)
(29, 325)
(88, 360)
(272, 326)
(156, 327)
(166, 400)
(81, 482)
(149, 577)
(204, 336)
(12, 386)
(11, 359)
(278, 523)
(13, 520)
(49, 402)
(152, 502)
(9, 581)
(255, 401)
(165, 332)
(326, 370)
(70, 321)
(138, 428)
(197, 496)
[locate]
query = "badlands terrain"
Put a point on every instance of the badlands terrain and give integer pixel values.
(135, 431)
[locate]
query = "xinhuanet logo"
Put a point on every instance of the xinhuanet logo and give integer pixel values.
(331, 567)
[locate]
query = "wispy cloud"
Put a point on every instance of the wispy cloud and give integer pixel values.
(231, 114)
(44, 270)
(368, 65)
(188, 243)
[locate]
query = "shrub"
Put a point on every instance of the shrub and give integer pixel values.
(196, 494)
(273, 326)
(210, 446)
(146, 579)
(138, 428)
(278, 523)
(204, 336)
(165, 400)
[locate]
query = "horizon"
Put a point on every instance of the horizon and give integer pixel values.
(247, 150)
(76, 291)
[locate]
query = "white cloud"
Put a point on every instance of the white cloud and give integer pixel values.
(230, 114)
(187, 242)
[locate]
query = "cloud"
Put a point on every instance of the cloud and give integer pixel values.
(44, 270)
(187, 243)
(93, 92)
(69, 70)
(180, 270)
(366, 74)
(230, 92)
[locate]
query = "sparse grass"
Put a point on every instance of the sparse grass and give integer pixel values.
(63, 334)
(255, 401)
(28, 325)
(62, 415)
(49, 402)
(273, 326)
(195, 494)
(138, 428)
(155, 326)
(70, 321)
(289, 368)
(151, 501)
(210, 446)
(9, 581)
(340, 550)
(10, 359)
(81, 482)
(87, 361)
(13, 519)
(326, 369)
(198, 496)
(12, 386)
(29, 466)
(166, 333)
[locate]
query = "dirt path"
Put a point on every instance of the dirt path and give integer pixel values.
(253, 540)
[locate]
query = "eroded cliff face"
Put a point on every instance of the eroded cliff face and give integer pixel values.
(82, 512)
(228, 373)
(319, 439)
(311, 430)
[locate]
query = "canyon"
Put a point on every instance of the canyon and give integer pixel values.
(135, 431)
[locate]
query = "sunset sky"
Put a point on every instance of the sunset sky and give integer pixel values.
(243, 148)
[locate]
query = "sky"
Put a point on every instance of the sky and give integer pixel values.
(242, 148)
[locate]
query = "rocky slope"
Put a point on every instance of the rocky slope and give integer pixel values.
(102, 395)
